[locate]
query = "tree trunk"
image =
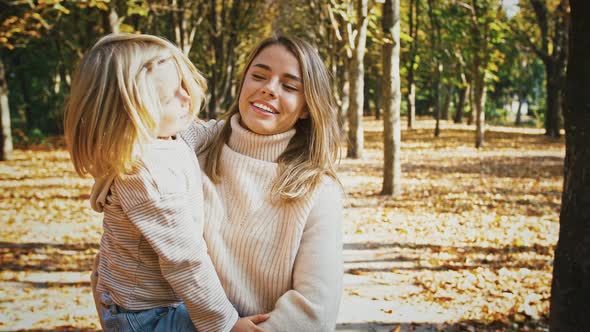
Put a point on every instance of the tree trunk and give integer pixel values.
(437, 117)
(411, 100)
(463, 93)
(479, 98)
(448, 92)
(570, 288)
(214, 40)
(6, 135)
(413, 27)
(228, 57)
(437, 99)
(25, 85)
(355, 113)
(355, 109)
(552, 111)
(472, 111)
(553, 52)
(437, 82)
(378, 99)
(391, 100)
(518, 120)
(367, 111)
(345, 98)
(114, 20)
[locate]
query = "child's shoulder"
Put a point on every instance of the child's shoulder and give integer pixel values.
(162, 169)
(200, 133)
(166, 154)
(200, 128)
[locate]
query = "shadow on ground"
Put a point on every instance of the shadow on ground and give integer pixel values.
(463, 326)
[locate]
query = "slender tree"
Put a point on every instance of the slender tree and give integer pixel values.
(6, 136)
(340, 17)
(570, 288)
(356, 76)
(413, 27)
(436, 38)
(484, 19)
(113, 17)
(391, 98)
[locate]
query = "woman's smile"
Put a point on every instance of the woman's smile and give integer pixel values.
(264, 108)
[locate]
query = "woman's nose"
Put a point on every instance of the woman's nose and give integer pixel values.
(270, 88)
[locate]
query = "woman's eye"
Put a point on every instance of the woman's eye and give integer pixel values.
(258, 77)
(290, 87)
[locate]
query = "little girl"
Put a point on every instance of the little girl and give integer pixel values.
(130, 96)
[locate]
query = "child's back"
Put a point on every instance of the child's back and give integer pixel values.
(133, 244)
(131, 96)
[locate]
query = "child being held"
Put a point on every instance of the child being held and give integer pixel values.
(130, 97)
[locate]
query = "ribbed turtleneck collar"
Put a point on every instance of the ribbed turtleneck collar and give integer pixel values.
(262, 147)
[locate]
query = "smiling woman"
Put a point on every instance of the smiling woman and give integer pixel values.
(273, 204)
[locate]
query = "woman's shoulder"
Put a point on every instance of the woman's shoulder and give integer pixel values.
(329, 183)
(328, 191)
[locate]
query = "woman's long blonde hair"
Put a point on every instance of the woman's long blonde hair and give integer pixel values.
(114, 108)
(313, 150)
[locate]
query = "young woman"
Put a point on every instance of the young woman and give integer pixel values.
(273, 204)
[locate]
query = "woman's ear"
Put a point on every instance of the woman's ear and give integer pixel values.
(304, 113)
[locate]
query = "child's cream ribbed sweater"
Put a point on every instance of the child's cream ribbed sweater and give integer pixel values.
(152, 251)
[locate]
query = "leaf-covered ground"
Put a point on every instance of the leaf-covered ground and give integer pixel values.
(468, 246)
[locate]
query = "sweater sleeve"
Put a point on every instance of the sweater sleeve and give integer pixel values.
(199, 134)
(166, 223)
(313, 303)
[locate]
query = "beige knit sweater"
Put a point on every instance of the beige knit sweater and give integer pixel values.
(283, 259)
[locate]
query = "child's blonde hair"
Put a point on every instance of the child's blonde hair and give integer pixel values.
(314, 150)
(114, 107)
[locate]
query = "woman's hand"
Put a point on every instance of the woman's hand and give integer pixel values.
(248, 324)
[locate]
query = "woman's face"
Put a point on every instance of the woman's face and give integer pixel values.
(272, 98)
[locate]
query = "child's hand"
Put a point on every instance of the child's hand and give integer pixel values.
(248, 324)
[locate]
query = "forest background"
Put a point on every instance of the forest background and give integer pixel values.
(472, 212)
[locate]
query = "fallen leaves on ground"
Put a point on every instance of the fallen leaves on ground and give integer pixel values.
(467, 246)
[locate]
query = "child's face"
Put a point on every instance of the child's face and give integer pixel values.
(174, 99)
(272, 98)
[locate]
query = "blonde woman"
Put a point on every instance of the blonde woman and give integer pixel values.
(273, 204)
(130, 97)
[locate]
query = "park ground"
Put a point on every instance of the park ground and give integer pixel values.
(467, 246)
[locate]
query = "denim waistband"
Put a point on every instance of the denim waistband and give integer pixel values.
(107, 302)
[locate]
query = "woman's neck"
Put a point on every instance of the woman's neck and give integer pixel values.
(262, 147)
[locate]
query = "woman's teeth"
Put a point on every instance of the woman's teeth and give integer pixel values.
(265, 108)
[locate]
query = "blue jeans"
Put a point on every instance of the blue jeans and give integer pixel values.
(162, 319)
